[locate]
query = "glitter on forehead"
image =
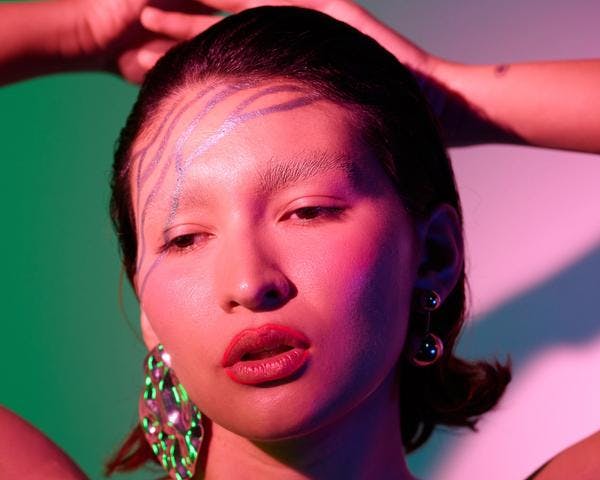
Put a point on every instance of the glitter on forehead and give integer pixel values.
(233, 120)
(212, 103)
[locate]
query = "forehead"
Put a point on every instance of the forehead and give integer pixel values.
(229, 107)
(230, 127)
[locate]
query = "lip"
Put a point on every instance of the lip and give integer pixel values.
(252, 341)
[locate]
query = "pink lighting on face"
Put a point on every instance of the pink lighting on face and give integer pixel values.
(321, 263)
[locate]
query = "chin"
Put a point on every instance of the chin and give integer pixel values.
(273, 426)
(301, 419)
(272, 421)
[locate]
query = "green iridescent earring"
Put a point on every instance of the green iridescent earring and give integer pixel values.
(171, 422)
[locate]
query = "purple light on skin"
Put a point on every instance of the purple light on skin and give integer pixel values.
(229, 124)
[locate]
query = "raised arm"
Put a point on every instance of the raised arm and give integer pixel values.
(546, 104)
(30, 37)
(42, 37)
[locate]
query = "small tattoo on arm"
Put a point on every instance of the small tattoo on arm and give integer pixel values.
(501, 70)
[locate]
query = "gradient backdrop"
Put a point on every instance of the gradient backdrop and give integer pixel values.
(72, 358)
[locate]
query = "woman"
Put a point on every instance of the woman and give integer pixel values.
(431, 258)
(333, 221)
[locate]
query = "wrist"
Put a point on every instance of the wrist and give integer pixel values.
(38, 38)
(445, 73)
(74, 46)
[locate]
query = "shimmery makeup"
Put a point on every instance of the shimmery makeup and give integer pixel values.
(230, 90)
(224, 130)
(181, 165)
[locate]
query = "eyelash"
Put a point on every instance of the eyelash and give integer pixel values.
(327, 213)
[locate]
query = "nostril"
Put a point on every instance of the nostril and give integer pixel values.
(272, 298)
(272, 294)
(262, 294)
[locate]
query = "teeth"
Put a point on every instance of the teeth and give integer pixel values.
(266, 353)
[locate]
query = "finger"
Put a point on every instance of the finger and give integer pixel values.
(182, 6)
(149, 54)
(129, 67)
(133, 64)
(179, 26)
(235, 6)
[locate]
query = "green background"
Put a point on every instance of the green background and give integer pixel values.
(71, 356)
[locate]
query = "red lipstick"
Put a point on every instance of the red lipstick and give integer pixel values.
(271, 352)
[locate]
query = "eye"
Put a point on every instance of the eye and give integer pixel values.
(315, 213)
(184, 243)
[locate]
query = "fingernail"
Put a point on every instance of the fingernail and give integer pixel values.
(147, 16)
(147, 58)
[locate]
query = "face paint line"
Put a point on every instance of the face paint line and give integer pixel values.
(225, 129)
(142, 152)
(141, 178)
(212, 140)
(222, 132)
(230, 90)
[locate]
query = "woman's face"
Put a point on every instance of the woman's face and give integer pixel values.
(261, 205)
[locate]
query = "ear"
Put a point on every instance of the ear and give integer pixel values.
(150, 338)
(442, 251)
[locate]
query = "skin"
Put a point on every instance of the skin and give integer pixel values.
(51, 36)
(249, 250)
(26, 453)
(580, 461)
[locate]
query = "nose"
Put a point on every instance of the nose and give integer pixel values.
(248, 276)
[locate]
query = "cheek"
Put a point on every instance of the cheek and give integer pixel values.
(359, 283)
(179, 308)
(370, 268)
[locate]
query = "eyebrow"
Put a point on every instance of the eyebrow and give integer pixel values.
(277, 176)
(281, 175)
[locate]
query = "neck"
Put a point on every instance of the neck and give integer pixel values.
(366, 443)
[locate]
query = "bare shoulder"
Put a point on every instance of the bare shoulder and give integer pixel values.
(27, 454)
(581, 461)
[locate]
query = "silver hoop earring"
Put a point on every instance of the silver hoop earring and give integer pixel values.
(431, 347)
(172, 424)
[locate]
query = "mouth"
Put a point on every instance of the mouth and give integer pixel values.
(271, 352)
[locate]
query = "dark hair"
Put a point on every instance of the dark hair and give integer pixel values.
(350, 68)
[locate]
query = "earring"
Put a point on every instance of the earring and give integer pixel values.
(171, 423)
(431, 347)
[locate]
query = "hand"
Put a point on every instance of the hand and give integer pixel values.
(183, 25)
(108, 35)
(474, 104)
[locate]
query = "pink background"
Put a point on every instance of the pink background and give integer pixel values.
(533, 243)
